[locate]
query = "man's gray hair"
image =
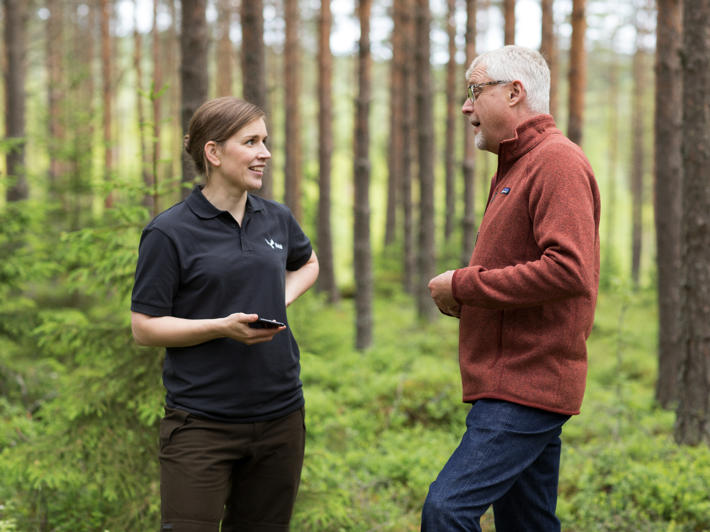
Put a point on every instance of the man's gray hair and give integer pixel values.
(512, 63)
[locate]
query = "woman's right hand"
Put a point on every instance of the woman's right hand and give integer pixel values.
(169, 331)
(237, 328)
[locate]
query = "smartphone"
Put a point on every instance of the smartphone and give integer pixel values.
(263, 323)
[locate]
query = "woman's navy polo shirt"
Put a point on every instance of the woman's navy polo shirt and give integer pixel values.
(196, 262)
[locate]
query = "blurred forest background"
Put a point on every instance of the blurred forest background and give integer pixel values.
(371, 153)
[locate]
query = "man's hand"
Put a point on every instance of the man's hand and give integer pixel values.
(441, 293)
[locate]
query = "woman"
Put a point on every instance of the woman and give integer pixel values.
(232, 439)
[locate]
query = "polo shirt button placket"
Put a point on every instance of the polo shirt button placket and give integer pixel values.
(242, 234)
(238, 230)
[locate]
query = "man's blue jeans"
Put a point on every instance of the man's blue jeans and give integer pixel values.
(509, 457)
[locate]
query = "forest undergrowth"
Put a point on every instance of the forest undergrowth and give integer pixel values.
(80, 403)
(381, 424)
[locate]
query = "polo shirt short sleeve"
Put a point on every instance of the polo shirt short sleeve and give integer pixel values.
(195, 261)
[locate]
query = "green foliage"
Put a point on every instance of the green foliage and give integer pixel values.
(642, 483)
(621, 469)
(380, 423)
(79, 440)
(80, 402)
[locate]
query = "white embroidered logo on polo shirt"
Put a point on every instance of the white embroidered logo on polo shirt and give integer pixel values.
(274, 245)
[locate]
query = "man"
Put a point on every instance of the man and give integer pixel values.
(525, 302)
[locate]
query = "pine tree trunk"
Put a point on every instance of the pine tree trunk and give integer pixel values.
(193, 70)
(254, 85)
(292, 83)
(80, 123)
(667, 196)
(609, 211)
(426, 253)
(577, 72)
(326, 278)
(156, 100)
(362, 254)
(637, 163)
(107, 78)
(148, 199)
(224, 48)
(693, 415)
(253, 59)
(469, 158)
(15, 70)
(55, 91)
(548, 48)
(509, 17)
(172, 67)
(453, 117)
(407, 135)
(394, 153)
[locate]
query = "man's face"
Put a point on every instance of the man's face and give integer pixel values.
(488, 112)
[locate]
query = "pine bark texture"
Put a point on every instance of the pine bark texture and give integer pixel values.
(469, 158)
(55, 91)
(693, 415)
(293, 172)
(509, 21)
(425, 142)
(224, 48)
(172, 66)
(453, 117)
(609, 210)
(394, 153)
(253, 60)
(193, 71)
(362, 253)
(15, 73)
(157, 99)
(107, 91)
(667, 196)
(326, 278)
(577, 76)
(548, 48)
(638, 157)
(406, 135)
(81, 119)
(148, 199)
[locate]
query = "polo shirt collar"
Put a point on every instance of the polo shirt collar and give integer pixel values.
(202, 208)
(254, 203)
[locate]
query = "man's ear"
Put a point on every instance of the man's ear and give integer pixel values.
(516, 93)
(212, 153)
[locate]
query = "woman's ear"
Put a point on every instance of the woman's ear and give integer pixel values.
(212, 153)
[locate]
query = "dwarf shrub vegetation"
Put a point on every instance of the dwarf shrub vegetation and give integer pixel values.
(80, 403)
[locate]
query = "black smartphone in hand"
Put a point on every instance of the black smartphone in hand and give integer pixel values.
(263, 323)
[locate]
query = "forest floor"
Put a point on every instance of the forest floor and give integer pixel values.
(382, 423)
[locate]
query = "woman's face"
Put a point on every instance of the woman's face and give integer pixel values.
(243, 157)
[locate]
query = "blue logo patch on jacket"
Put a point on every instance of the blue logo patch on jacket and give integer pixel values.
(505, 191)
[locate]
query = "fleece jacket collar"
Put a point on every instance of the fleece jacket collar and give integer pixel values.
(528, 134)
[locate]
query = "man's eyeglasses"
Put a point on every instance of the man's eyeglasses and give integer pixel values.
(475, 90)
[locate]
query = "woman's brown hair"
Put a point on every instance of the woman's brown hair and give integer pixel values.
(217, 120)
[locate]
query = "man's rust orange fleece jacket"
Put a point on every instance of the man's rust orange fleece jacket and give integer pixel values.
(529, 292)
